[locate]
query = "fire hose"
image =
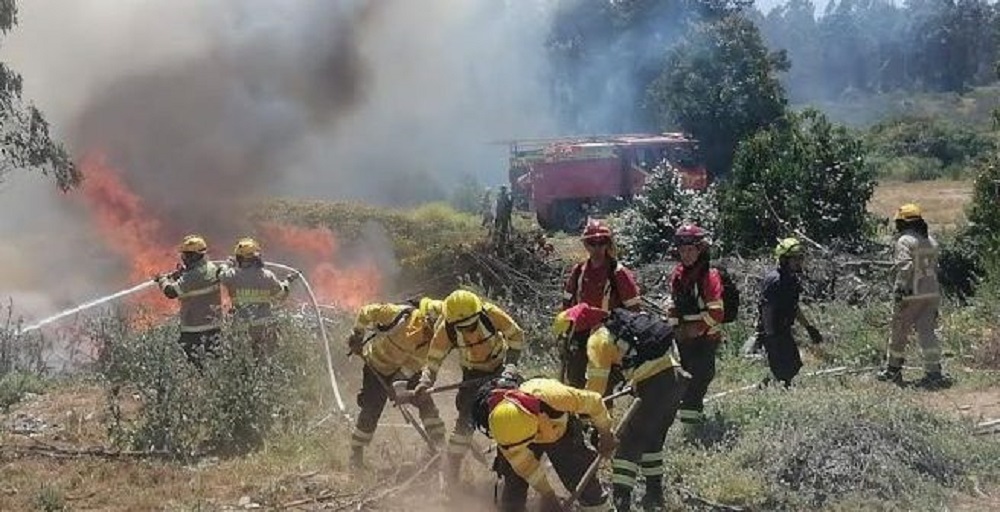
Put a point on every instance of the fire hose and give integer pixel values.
(147, 284)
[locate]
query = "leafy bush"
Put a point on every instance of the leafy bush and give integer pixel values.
(921, 148)
(804, 175)
(15, 386)
(645, 229)
(229, 407)
(829, 447)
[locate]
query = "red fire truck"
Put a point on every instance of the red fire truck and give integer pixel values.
(564, 180)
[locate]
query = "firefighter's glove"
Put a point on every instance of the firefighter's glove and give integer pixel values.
(402, 394)
(606, 443)
(510, 373)
(356, 341)
(814, 334)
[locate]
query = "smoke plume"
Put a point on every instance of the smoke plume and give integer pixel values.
(201, 108)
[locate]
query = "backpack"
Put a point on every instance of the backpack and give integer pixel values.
(730, 296)
(646, 336)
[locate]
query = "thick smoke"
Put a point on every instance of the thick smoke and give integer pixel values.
(208, 106)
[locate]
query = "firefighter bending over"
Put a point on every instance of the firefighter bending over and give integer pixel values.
(543, 416)
(253, 290)
(600, 281)
(195, 284)
(489, 342)
(917, 298)
(696, 312)
(778, 310)
(396, 351)
(638, 344)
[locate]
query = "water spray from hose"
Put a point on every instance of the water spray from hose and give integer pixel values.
(85, 306)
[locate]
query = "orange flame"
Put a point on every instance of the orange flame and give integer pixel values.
(120, 217)
(334, 284)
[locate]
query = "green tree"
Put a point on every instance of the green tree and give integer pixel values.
(721, 85)
(801, 175)
(25, 142)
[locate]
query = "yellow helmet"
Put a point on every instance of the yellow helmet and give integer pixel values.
(908, 211)
(510, 424)
(462, 308)
(788, 247)
(247, 248)
(430, 308)
(562, 324)
(193, 243)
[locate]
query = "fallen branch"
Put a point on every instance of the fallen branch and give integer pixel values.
(392, 491)
(58, 452)
(323, 497)
(689, 495)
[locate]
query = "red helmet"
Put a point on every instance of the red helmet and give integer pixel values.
(596, 229)
(690, 234)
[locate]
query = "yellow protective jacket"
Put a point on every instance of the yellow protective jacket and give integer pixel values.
(562, 399)
(481, 349)
(197, 288)
(604, 352)
(253, 291)
(400, 342)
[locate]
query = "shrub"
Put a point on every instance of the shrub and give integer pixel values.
(924, 148)
(229, 407)
(645, 229)
(804, 175)
(829, 447)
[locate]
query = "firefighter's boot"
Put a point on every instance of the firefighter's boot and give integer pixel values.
(357, 457)
(452, 469)
(935, 380)
(621, 497)
(653, 499)
(892, 374)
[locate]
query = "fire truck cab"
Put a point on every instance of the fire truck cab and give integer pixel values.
(564, 180)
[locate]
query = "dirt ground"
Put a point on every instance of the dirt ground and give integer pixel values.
(943, 201)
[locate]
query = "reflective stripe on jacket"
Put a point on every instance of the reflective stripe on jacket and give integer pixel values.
(916, 261)
(197, 289)
(253, 291)
(480, 349)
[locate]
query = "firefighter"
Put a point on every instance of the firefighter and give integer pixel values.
(778, 309)
(253, 290)
(504, 210)
(639, 345)
(696, 312)
(486, 209)
(396, 351)
(195, 284)
(916, 294)
(490, 344)
(600, 281)
(543, 417)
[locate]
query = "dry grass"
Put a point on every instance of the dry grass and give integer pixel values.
(943, 201)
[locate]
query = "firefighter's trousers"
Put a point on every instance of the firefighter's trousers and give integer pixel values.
(698, 359)
(918, 315)
(461, 436)
(371, 400)
(783, 356)
(570, 458)
(640, 448)
(197, 345)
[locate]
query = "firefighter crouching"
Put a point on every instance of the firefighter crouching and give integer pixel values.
(696, 312)
(395, 352)
(600, 281)
(778, 310)
(489, 342)
(542, 417)
(639, 345)
(195, 284)
(916, 300)
(253, 290)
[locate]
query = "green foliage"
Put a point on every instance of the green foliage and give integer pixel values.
(826, 447)
(467, 196)
(721, 85)
(50, 499)
(803, 175)
(229, 407)
(24, 134)
(924, 148)
(646, 228)
(15, 386)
